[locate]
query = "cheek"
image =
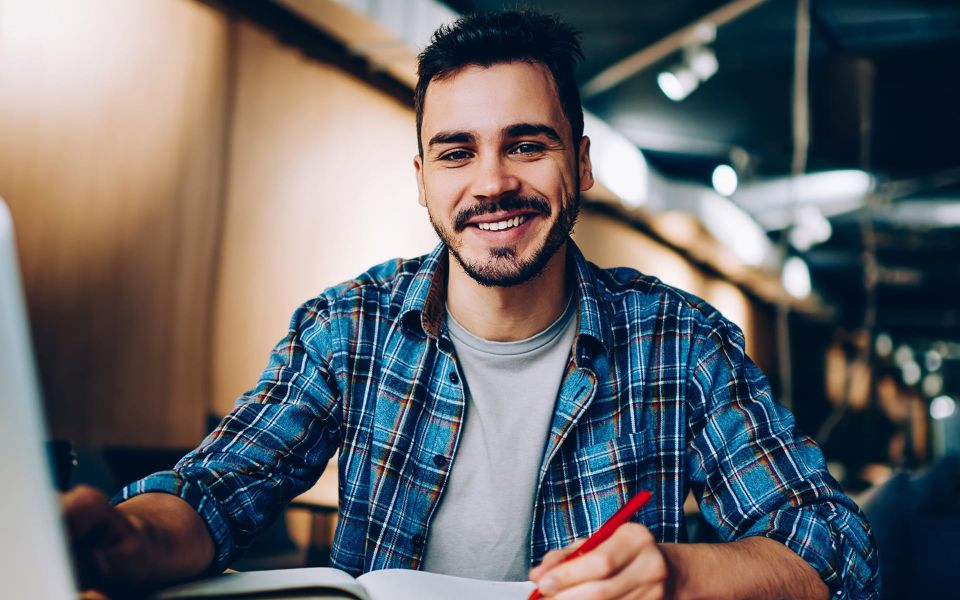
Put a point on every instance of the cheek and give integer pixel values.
(441, 188)
(552, 177)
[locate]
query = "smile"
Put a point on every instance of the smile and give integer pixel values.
(501, 225)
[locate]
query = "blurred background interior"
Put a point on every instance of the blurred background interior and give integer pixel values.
(183, 173)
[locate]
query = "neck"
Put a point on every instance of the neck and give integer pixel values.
(505, 314)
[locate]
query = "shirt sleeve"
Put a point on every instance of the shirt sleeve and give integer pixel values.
(273, 445)
(757, 476)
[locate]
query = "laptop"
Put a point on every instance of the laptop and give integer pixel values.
(34, 561)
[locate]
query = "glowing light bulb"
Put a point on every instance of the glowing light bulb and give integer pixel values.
(796, 277)
(724, 180)
(942, 407)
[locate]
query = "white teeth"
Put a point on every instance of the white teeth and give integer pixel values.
(501, 225)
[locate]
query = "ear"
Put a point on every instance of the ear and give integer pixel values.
(584, 165)
(418, 167)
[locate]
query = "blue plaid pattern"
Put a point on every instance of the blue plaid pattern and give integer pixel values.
(658, 394)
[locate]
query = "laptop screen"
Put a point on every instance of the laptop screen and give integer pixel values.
(34, 562)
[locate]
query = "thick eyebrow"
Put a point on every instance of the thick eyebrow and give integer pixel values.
(513, 131)
(451, 137)
(533, 129)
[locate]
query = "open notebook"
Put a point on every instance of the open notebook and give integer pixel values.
(322, 582)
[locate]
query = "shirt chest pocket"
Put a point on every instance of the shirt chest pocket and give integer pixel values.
(600, 478)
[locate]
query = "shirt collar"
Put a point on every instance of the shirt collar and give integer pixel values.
(424, 305)
(594, 320)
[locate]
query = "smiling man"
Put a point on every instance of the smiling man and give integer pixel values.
(505, 195)
(498, 399)
(501, 175)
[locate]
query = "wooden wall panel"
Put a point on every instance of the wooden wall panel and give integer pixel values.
(112, 117)
(321, 187)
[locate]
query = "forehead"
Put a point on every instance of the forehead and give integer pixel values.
(489, 98)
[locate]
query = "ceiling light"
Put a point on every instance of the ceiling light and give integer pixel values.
(772, 202)
(796, 277)
(678, 83)
(810, 227)
(826, 186)
(699, 64)
(731, 225)
(617, 163)
(910, 372)
(931, 214)
(884, 345)
(942, 407)
(903, 355)
(932, 384)
(724, 180)
(934, 360)
(703, 62)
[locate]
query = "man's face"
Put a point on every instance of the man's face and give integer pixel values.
(500, 177)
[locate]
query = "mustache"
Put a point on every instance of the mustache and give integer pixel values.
(507, 203)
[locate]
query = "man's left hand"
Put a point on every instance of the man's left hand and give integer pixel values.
(629, 565)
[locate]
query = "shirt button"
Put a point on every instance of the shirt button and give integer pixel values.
(454, 378)
(440, 460)
(417, 540)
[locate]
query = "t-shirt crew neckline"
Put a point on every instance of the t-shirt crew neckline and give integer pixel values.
(515, 347)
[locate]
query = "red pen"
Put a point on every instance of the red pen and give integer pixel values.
(606, 530)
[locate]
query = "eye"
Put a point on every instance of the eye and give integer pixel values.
(456, 156)
(527, 148)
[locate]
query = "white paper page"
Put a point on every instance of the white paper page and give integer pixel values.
(404, 584)
(233, 584)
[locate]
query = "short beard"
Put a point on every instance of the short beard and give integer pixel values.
(505, 268)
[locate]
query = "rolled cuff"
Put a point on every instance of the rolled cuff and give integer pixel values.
(848, 566)
(194, 494)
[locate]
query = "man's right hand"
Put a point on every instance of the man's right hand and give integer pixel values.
(149, 540)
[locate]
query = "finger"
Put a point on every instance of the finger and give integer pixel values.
(553, 558)
(605, 589)
(101, 536)
(85, 509)
(643, 578)
(603, 562)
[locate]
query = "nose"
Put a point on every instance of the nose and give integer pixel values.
(493, 178)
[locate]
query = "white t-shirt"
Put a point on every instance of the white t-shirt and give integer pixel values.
(482, 527)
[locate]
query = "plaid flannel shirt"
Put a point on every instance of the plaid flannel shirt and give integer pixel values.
(658, 394)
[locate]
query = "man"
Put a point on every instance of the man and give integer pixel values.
(498, 399)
